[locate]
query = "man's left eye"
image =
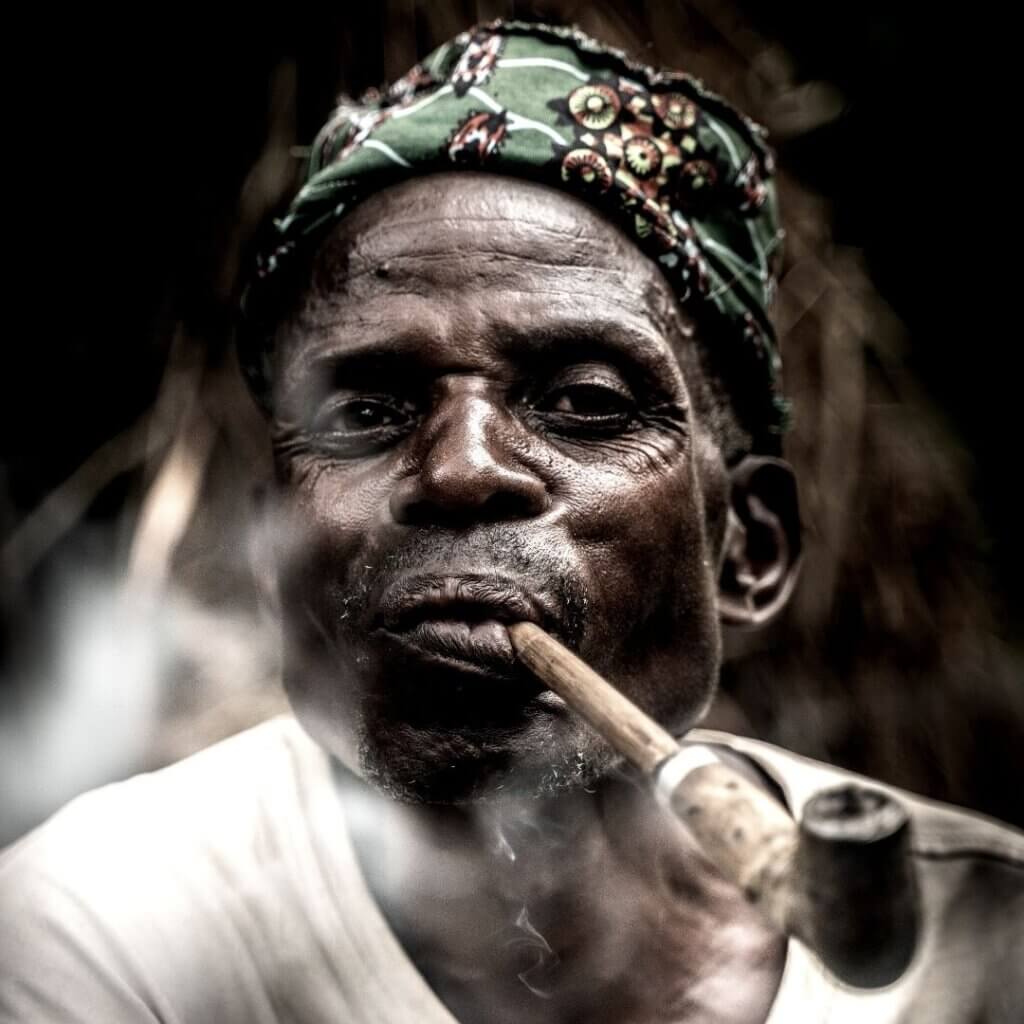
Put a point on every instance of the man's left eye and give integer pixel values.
(586, 400)
(587, 408)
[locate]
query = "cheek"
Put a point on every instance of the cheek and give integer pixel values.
(652, 588)
(648, 562)
(325, 536)
(328, 525)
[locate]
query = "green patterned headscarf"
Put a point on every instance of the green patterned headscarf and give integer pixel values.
(684, 174)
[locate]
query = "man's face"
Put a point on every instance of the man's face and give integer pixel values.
(480, 418)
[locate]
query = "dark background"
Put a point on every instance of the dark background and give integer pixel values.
(132, 137)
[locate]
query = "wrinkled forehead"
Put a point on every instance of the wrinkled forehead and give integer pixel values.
(454, 267)
(488, 243)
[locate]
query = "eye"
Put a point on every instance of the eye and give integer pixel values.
(358, 425)
(596, 404)
(361, 414)
(585, 400)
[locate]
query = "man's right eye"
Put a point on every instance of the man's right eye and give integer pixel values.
(362, 424)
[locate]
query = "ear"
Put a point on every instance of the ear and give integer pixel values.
(761, 552)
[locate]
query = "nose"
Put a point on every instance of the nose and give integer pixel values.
(469, 468)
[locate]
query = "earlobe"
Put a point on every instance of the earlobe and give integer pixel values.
(761, 551)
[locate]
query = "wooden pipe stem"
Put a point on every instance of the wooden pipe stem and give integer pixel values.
(840, 881)
(632, 733)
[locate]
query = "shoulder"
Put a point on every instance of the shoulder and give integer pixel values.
(95, 899)
(970, 877)
(939, 830)
(138, 823)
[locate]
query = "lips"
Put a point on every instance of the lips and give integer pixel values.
(458, 621)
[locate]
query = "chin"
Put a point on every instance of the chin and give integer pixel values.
(422, 732)
(543, 756)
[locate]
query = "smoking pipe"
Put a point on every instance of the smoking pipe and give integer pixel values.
(840, 881)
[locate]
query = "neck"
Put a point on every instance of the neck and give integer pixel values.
(584, 906)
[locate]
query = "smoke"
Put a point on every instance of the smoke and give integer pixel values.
(91, 713)
(532, 940)
(579, 906)
(129, 679)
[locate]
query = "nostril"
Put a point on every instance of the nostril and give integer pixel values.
(469, 470)
(509, 505)
(450, 499)
(423, 511)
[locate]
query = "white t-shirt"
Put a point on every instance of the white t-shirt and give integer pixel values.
(225, 889)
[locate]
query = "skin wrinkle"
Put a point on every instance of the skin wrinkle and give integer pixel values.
(637, 343)
(342, 276)
(628, 334)
(372, 234)
(488, 255)
(576, 279)
(621, 533)
(603, 494)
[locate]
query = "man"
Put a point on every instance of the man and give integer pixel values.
(513, 348)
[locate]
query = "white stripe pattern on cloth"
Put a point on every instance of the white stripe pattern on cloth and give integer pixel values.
(383, 147)
(543, 62)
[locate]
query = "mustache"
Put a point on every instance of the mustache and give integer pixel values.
(493, 563)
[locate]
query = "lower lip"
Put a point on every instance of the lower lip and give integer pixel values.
(481, 645)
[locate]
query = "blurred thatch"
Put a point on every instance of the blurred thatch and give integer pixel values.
(889, 660)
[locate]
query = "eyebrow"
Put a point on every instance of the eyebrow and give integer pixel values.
(616, 340)
(406, 353)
